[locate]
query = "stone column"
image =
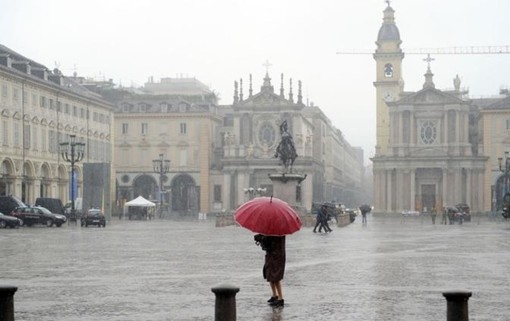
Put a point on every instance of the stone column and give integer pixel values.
(413, 190)
(389, 191)
(445, 188)
(457, 305)
(226, 191)
(7, 302)
(225, 305)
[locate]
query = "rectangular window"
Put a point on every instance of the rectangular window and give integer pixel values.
(52, 139)
(43, 102)
(5, 138)
(82, 113)
(124, 128)
(67, 109)
(508, 124)
(145, 128)
(75, 111)
(43, 140)
(15, 95)
(59, 106)
(16, 137)
(26, 137)
(162, 128)
(183, 128)
(34, 100)
(217, 193)
(25, 98)
(5, 91)
(34, 139)
(183, 157)
(51, 104)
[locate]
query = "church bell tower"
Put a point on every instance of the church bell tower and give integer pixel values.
(389, 83)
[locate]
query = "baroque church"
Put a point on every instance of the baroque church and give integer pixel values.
(435, 148)
(220, 156)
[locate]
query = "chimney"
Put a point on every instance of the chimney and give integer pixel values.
(40, 72)
(23, 66)
(6, 60)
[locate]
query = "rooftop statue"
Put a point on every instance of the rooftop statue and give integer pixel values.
(286, 150)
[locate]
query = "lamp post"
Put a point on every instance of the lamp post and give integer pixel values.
(251, 191)
(161, 166)
(72, 152)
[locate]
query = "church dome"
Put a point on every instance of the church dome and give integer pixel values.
(388, 30)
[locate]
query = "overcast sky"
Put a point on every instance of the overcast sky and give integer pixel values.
(221, 41)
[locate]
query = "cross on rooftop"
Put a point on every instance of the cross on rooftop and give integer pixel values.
(428, 60)
(267, 65)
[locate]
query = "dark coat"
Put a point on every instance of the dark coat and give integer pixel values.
(274, 265)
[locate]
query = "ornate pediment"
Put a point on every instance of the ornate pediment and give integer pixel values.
(430, 96)
(265, 99)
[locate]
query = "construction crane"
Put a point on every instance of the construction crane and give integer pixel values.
(469, 50)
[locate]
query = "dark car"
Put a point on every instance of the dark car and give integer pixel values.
(8, 221)
(30, 215)
(9, 203)
(93, 217)
(54, 205)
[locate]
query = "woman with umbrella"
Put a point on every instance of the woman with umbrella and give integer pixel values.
(272, 219)
(274, 265)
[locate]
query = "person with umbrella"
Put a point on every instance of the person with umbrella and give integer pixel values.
(322, 219)
(272, 219)
(364, 210)
(274, 265)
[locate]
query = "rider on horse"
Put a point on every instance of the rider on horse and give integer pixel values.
(286, 149)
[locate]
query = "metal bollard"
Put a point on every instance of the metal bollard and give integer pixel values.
(7, 302)
(457, 305)
(225, 307)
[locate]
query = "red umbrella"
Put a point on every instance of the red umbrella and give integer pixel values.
(268, 216)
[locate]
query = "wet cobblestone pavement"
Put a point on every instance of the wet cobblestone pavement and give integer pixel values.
(164, 270)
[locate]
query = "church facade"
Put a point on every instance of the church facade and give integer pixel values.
(221, 155)
(435, 148)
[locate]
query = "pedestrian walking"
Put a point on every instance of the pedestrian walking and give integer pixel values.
(322, 220)
(365, 209)
(274, 265)
(444, 216)
(433, 214)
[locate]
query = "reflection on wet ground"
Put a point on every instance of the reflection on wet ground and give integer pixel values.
(164, 270)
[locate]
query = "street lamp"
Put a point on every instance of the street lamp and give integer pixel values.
(72, 152)
(161, 166)
(252, 191)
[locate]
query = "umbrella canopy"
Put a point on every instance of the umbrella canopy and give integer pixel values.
(268, 216)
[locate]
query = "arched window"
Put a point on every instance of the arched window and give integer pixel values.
(388, 70)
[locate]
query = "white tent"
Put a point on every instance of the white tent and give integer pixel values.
(139, 202)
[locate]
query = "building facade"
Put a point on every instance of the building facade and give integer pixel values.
(178, 124)
(40, 109)
(220, 155)
(435, 148)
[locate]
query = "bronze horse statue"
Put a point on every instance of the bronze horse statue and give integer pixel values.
(286, 150)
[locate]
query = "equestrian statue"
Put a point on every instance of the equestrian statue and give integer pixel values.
(286, 150)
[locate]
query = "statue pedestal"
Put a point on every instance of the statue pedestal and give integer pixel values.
(285, 187)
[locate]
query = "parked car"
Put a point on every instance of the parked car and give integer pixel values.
(9, 203)
(8, 221)
(410, 213)
(78, 207)
(54, 205)
(93, 217)
(30, 215)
